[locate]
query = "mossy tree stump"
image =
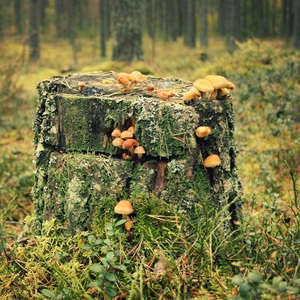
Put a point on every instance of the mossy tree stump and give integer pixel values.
(78, 167)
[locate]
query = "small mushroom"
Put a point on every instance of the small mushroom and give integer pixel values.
(116, 133)
(222, 92)
(139, 151)
(203, 86)
(137, 76)
(126, 135)
(124, 208)
(218, 82)
(203, 131)
(131, 129)
(189, 95)
(128, 145)
(128, 225)
(212, 161)
(118, 142)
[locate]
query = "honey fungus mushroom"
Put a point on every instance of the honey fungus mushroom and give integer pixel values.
(124, 208)
(139, 151)
(203, 131)
(212, 161)
(129, 145)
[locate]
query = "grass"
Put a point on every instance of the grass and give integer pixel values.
(260, 262)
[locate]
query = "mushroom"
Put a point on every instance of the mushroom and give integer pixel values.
(116, 133)
(218, 82)
(203, 131)
(222, 92)
(118, 142)
(128, 225)
(137, 76)
(189, 95)
(131, 129)
(126, 135)
(126, 80)
(124, 208)
(128, 144)
(81, 85)
(203, 86)
(139, 151)
(212, 161)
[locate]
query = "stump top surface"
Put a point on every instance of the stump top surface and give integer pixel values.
(103, 84)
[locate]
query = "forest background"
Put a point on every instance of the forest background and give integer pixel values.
(253, 43)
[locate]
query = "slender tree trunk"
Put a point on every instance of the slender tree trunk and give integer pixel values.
(72, 29)
(203, 24)
(190, 32)
(18, 20)
(296, 24)
(222, 19)
(261, 22)
(127, 30)
(34, 42)
(103, 12)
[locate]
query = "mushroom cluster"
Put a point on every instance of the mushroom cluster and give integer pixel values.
(125, 140)
(212, 86)
(129, 80)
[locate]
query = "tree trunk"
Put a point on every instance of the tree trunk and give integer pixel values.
(296, 24)
(18, 20)
(79, 170)
(72, 29)
(103, 12)
(34, 42)
(190, 32)
(203, 24)
(127, 30)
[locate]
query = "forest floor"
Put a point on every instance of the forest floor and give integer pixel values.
(267, 111)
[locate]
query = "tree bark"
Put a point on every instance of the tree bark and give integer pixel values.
(296, 24)
(190, 32)
(127, 30)
(78, 168)
(203, 24)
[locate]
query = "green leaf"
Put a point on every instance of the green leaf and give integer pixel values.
(98, 242)
(87, 247)
(111, 292)
(121, 222)
(276, 280)
(238, 280)
(255, 276)
(97, 268)
(126, 261)
(91, 237)
(48, 293)
(109, 226)
(245, 288)
(110, 255)
(111, 277)
(94, 252)
(110, 232)
(282, 287)
(119, 267)
(107, 241)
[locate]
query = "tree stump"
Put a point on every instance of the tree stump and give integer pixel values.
(77, 167)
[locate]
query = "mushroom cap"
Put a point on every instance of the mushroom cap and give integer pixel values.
(126, 135)
(131, 129)
(189, 95)
(203, 131)
(204, 85)
(116, 133)
(212, 161)
(129, 143)
(118, 142)
(231, 85)
(217, 81)
(125, 79)
(195, 91)
(139, 150)
(124, 207)
(222, 92)
(137, 76)
(120, 74)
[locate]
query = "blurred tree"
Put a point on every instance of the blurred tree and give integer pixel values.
(203, 24)
(261, 25)
(127, 25)
(18, 18)
(71, 27)
(296, 24)
(42, 5)
(34, 41)
(190, 30)
(59, 18)
(103, 15)
(151, 20)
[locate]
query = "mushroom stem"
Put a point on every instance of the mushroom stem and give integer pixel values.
(213, 95)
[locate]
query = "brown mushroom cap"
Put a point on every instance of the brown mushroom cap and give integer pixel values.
(116, 133)
(217, 81)
(195, 91)
(118, 142)
(212, 161)
(204, 85)
(139, 151)
(203, 131)
(222, 92)
(137, 76)
(189, 95)
(131, 129)
(129, 143)
(126, 135)
(124, 208)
